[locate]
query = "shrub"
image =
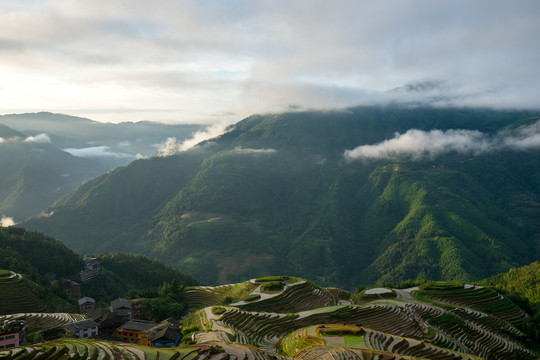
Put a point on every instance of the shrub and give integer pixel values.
(272, 278)
(272, 285)
(252, 297)
(441, 285)
(5, 273)
(227, 300)
(216, 310)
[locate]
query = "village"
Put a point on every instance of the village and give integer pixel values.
(120, 321)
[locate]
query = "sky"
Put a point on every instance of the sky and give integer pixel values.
(216, 62)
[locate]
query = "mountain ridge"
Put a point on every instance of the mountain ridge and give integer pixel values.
(277, 187)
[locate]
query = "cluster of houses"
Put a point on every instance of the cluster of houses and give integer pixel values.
(123, 321)
(13, 333)
(120, 321)
(92, 268)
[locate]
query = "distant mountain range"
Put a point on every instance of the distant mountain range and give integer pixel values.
(43, 156)
(359, 196)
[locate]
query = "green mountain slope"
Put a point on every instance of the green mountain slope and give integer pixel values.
(521, 282)
(35, 174)
(275, 194)
(34, 256)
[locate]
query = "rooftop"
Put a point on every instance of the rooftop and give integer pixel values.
(81, 325)
(120, 303)
(137, 325)
(85, 300)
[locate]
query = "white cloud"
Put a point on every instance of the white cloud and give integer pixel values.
(241, 150)
(417, 144)
(9, 140)
(39, 138)
(96, 151)
(171, 146)
(185, 61)
(6, 221)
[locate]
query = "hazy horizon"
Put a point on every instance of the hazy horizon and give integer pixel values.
(214, 63)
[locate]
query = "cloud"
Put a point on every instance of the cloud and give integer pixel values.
(9, 140)
(249, 151)
(96, 151)
(184, 61)
(417, 144)
(6, 221)
(39, 138)
(171, 146)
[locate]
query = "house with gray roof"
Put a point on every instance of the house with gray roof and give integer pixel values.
(82, 329)
(122, 307)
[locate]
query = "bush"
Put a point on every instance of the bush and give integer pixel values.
(4, 273)
(252, 297)
(272, 278)
(442, 285)
(227, 300)
(272, 286)
(216, 310)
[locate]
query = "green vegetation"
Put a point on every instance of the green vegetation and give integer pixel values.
(132, 275)
(272, 286)
(252, 297)
(33, 255)
(221, 212)
(397, 328)
(522, 285)
(441, 285)
(4, 273)
(451, 330)
(273, 278)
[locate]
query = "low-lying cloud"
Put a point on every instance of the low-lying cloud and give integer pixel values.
(9, 140)
(6, 221)
(96, 152)
(42, 138)
(250, 151)
(171, 146)
(417, 144)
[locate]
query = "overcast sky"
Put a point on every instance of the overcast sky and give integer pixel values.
(210, 61)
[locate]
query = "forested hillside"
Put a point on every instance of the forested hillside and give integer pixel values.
(289, 193)
(34, 256)
(36, 173)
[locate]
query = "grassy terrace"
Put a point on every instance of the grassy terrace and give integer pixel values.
(436, 328)
(480, 299)
(405, 327)
(17, 294)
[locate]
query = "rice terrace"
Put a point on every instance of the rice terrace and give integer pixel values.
(282, 317)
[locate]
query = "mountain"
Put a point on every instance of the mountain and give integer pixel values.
(291, 193)
(107, 143)
(35, 173)
(43, 156)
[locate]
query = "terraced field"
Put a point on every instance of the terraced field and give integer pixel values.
(202, 296)
(45, 321)
(16, 295)
(464, 323)
(457, 323)
(294, 295)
